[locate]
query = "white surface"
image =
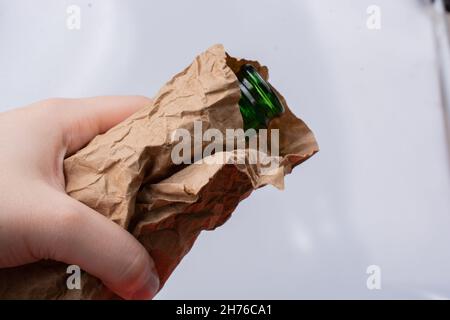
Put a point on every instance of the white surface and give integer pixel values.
(378, 191)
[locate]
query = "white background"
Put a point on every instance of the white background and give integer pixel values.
(378, 191)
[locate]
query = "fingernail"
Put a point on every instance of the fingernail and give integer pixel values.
(149, 290)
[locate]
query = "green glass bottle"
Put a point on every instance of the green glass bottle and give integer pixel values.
(258, 103)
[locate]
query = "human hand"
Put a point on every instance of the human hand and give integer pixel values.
(38, 220)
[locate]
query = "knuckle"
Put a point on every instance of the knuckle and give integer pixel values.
(52, 229)
(66, 222)
(52, 106)
(66, 228)
(53, 102)
(68, 217)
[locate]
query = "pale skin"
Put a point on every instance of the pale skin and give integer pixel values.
(38, 220)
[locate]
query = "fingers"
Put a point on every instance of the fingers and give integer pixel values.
(81, 236)
(85, 237)
(86, 118)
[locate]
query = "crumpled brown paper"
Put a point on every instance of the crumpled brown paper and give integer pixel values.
(127, 175)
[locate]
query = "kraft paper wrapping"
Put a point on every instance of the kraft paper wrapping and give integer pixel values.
(127, 175)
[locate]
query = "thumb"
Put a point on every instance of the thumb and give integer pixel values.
(83, 119)
(83, 237)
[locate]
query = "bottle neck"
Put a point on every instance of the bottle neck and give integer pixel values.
(259, 103)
